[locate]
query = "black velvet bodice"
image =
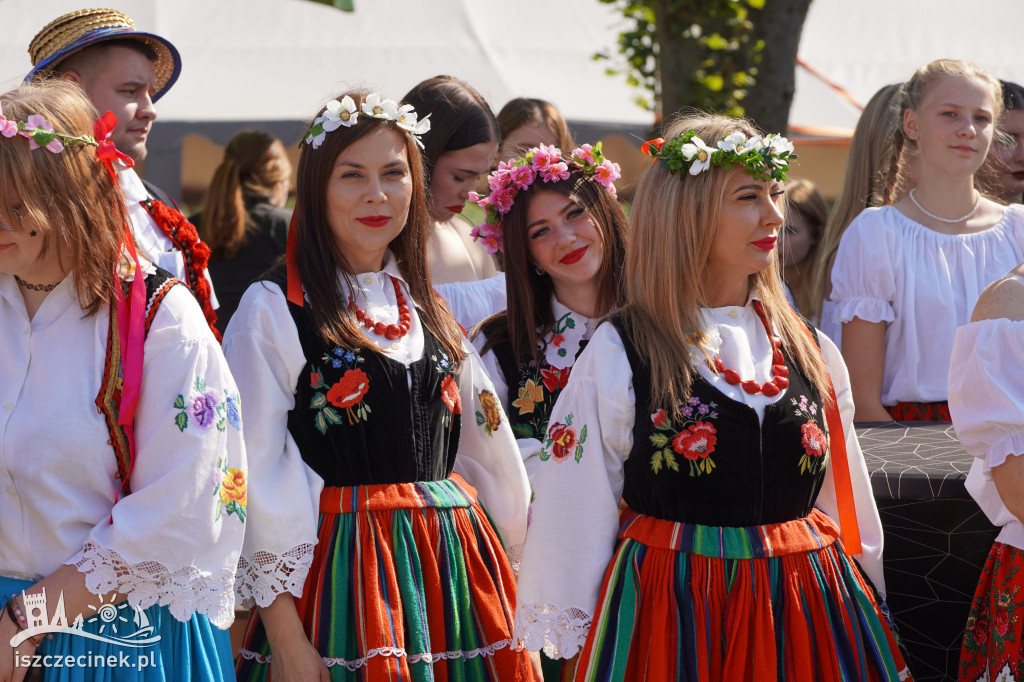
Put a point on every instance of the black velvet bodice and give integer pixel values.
(358, 420)
(718, 465)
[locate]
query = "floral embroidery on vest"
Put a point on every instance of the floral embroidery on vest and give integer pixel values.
(207, 409)
(693, 438)
(490, 418)
(561, 441)
(345, 394)
(813, 439)
(449, 387)
(230, 486)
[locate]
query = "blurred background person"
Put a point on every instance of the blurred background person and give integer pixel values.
(526, 122)
(243, 218)
(806, 215)
(1005, 178)
(462, 141)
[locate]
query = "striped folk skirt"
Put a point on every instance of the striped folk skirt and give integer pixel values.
(993, 646)
(702, 603)
(409, 582)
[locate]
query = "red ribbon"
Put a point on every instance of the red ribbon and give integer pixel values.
(294, 281)
(656, 143)
(103, 129)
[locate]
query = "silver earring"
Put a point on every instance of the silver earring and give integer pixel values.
(538, 271)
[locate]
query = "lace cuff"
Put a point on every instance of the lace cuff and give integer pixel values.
(561, 634)
(264, 575)
(185, 591)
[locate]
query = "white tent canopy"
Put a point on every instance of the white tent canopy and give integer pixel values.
(276, 61)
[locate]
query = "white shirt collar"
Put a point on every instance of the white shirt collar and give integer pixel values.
(131, 185)
(562, 343)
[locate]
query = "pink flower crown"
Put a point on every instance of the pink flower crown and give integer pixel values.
(542, 162)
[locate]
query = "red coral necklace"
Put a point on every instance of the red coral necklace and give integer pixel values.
(390, 331)
(779, 370)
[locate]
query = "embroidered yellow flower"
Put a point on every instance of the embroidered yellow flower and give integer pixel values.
(233, 488)
(529, 396)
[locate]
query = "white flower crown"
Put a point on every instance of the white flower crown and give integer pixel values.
(345, 113)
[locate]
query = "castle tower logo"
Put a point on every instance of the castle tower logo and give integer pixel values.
(111, 622)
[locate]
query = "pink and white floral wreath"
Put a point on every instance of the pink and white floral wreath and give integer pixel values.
(544, 162)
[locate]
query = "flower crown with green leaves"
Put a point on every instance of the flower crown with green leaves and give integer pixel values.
(542, 162)
(763, 157)
(345, 113)
(40, 133)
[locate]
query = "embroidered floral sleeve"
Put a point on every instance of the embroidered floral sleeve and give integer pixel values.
(577, 488)
(488, 456)
(281, 493)
(174, 540)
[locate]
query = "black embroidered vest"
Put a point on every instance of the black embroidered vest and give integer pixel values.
(533, 387)
(357, 420)
(719, 466)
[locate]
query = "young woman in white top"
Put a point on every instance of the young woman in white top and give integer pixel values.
(686, 523)
(122, 466)
(986, 400)
(907, 275)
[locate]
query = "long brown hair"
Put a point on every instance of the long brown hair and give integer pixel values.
(250, 168)
(524, 110)
(528, 317)
(674, 222)
(804, 199)
(75, 204)
(320, 258)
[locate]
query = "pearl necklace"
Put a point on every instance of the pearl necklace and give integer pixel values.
(950, 221)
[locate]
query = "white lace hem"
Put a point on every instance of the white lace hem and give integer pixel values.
(263, 576)
(185, 591)
(561, 634)
(427, 657)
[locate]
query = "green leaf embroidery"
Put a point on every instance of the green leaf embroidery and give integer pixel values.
(583, 435)
(656, 461)
(670, 460)
(320, 423)
(562, 352)
(179, 402)
(181, 420)
(222, 424)
(659, 440)
(199, 384)
(331, 415)
(520, 430)
(319, 400)
(480, 419)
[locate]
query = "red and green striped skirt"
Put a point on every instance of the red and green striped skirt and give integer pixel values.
(409, 582)
(920, 412)
(702, 603)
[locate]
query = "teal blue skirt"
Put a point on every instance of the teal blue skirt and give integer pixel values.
(193, 651)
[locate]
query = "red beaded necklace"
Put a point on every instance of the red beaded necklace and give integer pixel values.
(779, 370)
(391, 331)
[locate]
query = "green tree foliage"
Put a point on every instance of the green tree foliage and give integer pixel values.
(696, 53)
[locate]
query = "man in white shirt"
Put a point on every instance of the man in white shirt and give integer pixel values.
(126, 71)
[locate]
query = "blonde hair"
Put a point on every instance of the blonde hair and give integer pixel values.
(674, 222)
(870, 158)
(253, 165)
(69, 196)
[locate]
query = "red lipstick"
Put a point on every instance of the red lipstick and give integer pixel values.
(375, 220)
(766, 244)
(573, 256)
(456, 209)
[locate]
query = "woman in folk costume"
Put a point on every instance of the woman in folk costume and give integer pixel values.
(563, 235)
(122, 466)
(706, 409)
(986, 401)
(368, 556)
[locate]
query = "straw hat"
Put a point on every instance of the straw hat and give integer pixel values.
(74, 31)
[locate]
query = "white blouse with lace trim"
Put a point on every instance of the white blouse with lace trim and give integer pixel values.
(263, 348)
(986, 401)
(575, 510)
(923, 284)
(172, 541)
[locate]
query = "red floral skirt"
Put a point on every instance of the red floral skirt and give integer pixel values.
(920, 412)
(995, 627)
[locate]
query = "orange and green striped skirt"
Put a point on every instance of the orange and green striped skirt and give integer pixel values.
(409, 582)
(707, 604)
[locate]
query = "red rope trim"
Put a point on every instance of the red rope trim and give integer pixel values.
(196, 254)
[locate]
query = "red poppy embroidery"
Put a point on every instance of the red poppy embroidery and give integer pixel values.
(696, 442)
(660, 419)
(561, 441)
(812, 438)
(350, 389)
(450, 395)
(555, 378)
